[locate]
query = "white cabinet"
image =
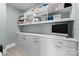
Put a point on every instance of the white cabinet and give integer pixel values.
(66, 51)
(25, 43)
(36, 45)
(47, 49)
(22, 43)
(66, 48)
(20, 40)
(29, 43)
(44, 46)
(51, 50)
(55, 47)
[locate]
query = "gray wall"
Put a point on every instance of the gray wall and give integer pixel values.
(2, 23)
(11, 24)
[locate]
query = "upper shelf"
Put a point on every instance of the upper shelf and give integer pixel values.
(49, 21)
(68, 9)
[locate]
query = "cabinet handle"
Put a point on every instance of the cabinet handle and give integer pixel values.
(36, 41)
(55, 46)
(24, 38)
(60, 42)
(36, 37)
(58, 46)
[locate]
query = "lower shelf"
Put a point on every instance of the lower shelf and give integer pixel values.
(50, 21)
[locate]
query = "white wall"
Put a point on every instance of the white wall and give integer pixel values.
(11, 24)
(2, 23)
(76, 23)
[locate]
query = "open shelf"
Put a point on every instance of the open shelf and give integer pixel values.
(68, 9)
(49, 21)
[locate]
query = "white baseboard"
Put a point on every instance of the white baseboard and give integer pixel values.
(4, 51)
(8, 47)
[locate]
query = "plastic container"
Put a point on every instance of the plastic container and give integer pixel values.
(57, 17)
(41, 9)
(52, 6)
(55, 6)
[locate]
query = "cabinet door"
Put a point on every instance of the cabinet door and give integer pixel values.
(20, 40)
(62, 51)
(25, 42)
(43, 46)
(51, 49)
(36, 46)
(28, 44)
(66, 48)
(47, 47)
(65, 51)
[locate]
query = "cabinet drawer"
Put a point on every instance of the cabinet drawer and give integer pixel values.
(69, 44)
(36, 37)
(21, 37)
(28, 37)
(51, 41)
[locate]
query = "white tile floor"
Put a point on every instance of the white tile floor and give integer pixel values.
(15, 51)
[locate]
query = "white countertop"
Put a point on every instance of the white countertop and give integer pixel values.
(49, 36)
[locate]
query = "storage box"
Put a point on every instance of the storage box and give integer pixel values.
(60, 6)
(52, 6)
(41, 9)
(55, 6)
(57, 17)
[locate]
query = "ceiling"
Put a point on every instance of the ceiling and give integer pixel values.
(22, 6)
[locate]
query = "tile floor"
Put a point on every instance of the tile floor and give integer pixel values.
(15, 51)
